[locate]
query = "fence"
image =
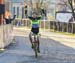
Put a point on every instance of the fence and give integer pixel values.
(63, 26)
(49, 25)
(44, 24)
(5, 35)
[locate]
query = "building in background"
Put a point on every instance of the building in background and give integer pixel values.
(59, 5)
(52, 8)
(18, 8)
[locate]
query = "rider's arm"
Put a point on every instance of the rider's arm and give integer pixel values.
(30, 18)
(13, 18)
(38, 18)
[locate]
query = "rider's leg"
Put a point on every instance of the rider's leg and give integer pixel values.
(38, 44)
(38, 39)
(30, 37)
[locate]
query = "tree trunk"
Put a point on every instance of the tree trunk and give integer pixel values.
(71, 5)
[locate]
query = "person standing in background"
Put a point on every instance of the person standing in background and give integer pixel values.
(7, 18)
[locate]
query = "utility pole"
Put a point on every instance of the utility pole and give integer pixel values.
(2, 11)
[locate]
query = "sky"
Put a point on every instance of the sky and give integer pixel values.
(17, 0)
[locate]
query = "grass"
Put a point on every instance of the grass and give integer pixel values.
(64, 33)
(2, 50)
(58, 32)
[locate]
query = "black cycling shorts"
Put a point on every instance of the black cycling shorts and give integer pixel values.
(35, 30)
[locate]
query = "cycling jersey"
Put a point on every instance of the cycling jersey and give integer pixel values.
(35, 21)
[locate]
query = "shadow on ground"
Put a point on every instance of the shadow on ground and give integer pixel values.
(51, 51)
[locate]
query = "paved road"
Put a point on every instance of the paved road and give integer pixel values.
(51, 51)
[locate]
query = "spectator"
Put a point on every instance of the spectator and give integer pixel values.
(9, 20)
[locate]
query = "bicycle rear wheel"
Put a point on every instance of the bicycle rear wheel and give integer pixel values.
(35, 50)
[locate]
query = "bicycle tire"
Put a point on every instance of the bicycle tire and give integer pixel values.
(35, 50)
(35, 46)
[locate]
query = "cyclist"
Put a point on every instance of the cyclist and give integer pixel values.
(35, 21)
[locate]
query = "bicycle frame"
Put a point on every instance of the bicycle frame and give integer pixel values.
(35, 39)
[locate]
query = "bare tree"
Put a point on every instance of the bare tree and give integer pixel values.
(71, 6)
(37, 5)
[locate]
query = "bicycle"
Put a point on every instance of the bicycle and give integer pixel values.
(35, 39)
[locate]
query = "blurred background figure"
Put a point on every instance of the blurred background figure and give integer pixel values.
(8, 18)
